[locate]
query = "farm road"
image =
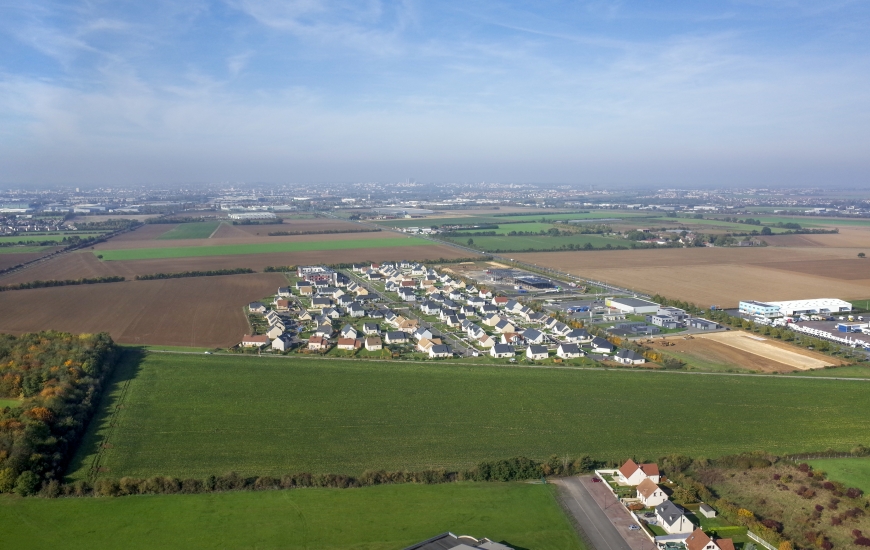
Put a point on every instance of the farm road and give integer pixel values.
(593, 521)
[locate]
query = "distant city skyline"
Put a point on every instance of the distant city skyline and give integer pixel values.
(746, 94)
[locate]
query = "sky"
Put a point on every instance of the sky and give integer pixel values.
(608, 93)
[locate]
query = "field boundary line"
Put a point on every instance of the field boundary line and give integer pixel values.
(113, 420)
(520, 366)
(216, 229)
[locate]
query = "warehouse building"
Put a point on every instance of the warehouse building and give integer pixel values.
(819, 306)
(632, 305)
(759, 309)
(253, 216)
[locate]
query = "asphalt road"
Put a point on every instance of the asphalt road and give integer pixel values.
(589, 516)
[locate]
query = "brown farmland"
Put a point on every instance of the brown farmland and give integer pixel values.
(846, 238)
(227, 230)
(11, 259)
(147, 232)
(200, 312)
(721, 276)
(85, 264)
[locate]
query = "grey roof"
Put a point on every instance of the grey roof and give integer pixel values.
(569, 348)
(532, 334)
(440, 348)
(396, 335)
(578, 333)
(600, 342)
(634, 302)
(503, 348)
(535, 350)
(669, 512)
(628, 354)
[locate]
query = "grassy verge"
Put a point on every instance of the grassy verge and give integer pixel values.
(259, 248)
(384, 517)
(195, 415)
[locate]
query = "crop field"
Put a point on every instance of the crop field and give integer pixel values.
(852, 472)
(373, 518)
(228, 230)
(13, 255)
(737, 350)
(531, 217)
(195, 230)
(199, 312)
(711, 225)
(721, 276)
(506, 228)
(15, 250)
(257, 248)
(505, 244)
(194, 415)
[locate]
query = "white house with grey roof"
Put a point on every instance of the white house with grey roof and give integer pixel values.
(672, 519)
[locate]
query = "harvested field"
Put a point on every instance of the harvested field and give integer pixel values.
(847, 270)
(198, 312)
(147, 232)
(228, 230)
(80, 264)
(727, 353)
(846, 238)
(247, 240)
(721, 276)
(15, 258)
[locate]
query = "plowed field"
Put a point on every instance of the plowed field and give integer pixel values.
(200, 312)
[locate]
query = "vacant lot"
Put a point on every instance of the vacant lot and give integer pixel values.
(194, 415)
(195, 230)
(727, 350)
(852, 472)
(721, 276)
(203, 311)
(373, 518)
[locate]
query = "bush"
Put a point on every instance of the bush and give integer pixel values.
(27, 483)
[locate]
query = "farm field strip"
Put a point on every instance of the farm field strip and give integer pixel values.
(25, 249)
(372, 518)
(792, 358)
(256, 248)
(193, 230)
(852, 472)
(194, 415)
(504, 243)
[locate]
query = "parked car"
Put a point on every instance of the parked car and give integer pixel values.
(596, 480)
(633, 527)
(649, 515)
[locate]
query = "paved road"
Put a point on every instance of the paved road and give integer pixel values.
(589, 516)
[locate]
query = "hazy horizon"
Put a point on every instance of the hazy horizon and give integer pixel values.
(740, 94)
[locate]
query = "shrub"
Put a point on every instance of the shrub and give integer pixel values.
(862, 541)
(819, 507)
(836, 521)
(854, 492)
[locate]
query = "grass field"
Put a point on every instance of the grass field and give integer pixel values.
(373, 518)
(53, 238)
(427, 222)
(256, 248)
(7, 402)
(194, 230)
(491, 244)
(195, 415)
(506, 228)
(853, 472)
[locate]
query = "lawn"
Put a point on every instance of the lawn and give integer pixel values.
(542, 242)
(193, 230)
(8, 402)
(195, 415)
(853, 472)
(259, 248)
(373, 518)
(505, 228)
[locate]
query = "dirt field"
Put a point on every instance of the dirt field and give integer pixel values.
(846, 238)
(11, 259)
(85, 264)
(201, 311)
(721, 276)
(148, 232)
(739, 349)
(228, 230)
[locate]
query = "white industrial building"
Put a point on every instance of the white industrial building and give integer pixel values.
(632, 305)
(253, 216)
(819, 306)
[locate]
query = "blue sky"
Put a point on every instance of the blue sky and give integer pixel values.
(757, 92)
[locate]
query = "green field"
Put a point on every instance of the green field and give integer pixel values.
(542, 242)
(506, 228)
(24, 249)
(52, 238)
(506, 220)
(260, 248)
(852, 472)
(861, 370)
(7, 402)
(195, 415)
(194, 230)
(373, 518)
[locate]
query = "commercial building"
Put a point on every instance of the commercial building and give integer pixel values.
(252, 216)
(632, 305)
(819, 306)
(759, 309)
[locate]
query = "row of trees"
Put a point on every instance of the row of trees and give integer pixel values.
(64, 282)
(58, 377)
(322, 232)
(183, 274)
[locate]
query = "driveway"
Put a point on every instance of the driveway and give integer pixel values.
(603, 519)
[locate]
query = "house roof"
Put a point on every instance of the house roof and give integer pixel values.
(697, 540)
(439, 348)
(569, 348)
(647, 488)
(669, 512)
(347, 341)
(373, 340)
(532, 334)
(537, 350)
(628, 468)
(628, 354)
(503, 348)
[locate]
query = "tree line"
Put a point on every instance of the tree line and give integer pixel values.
(186, 219)
(321, 232)
(183, 274)
(64, 282)
(59, 378)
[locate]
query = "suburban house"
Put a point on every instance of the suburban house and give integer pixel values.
(699, 540)
(632, 473)
(448, 540)
(423, 332)
(672, 519)
(425, 343)
(650, 494)
(373, 343)
(282, 343)
(500, 301)
(256, 307)
(356, 309)
(320, 303)
(514, 338)
(486, 341)
(628, 357)
(324, 331)
(533, 336)
(439, 350)
(578, 335)
(396, 337)
(275, 331)
(347, 331)
(500, 351)
(254, 341)
(349, 343)
(600, 345)
(282, 305)
(568, 351)
(536, 353)
(505, 326)
(371, 328)
(318, 343)
(284, 291)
